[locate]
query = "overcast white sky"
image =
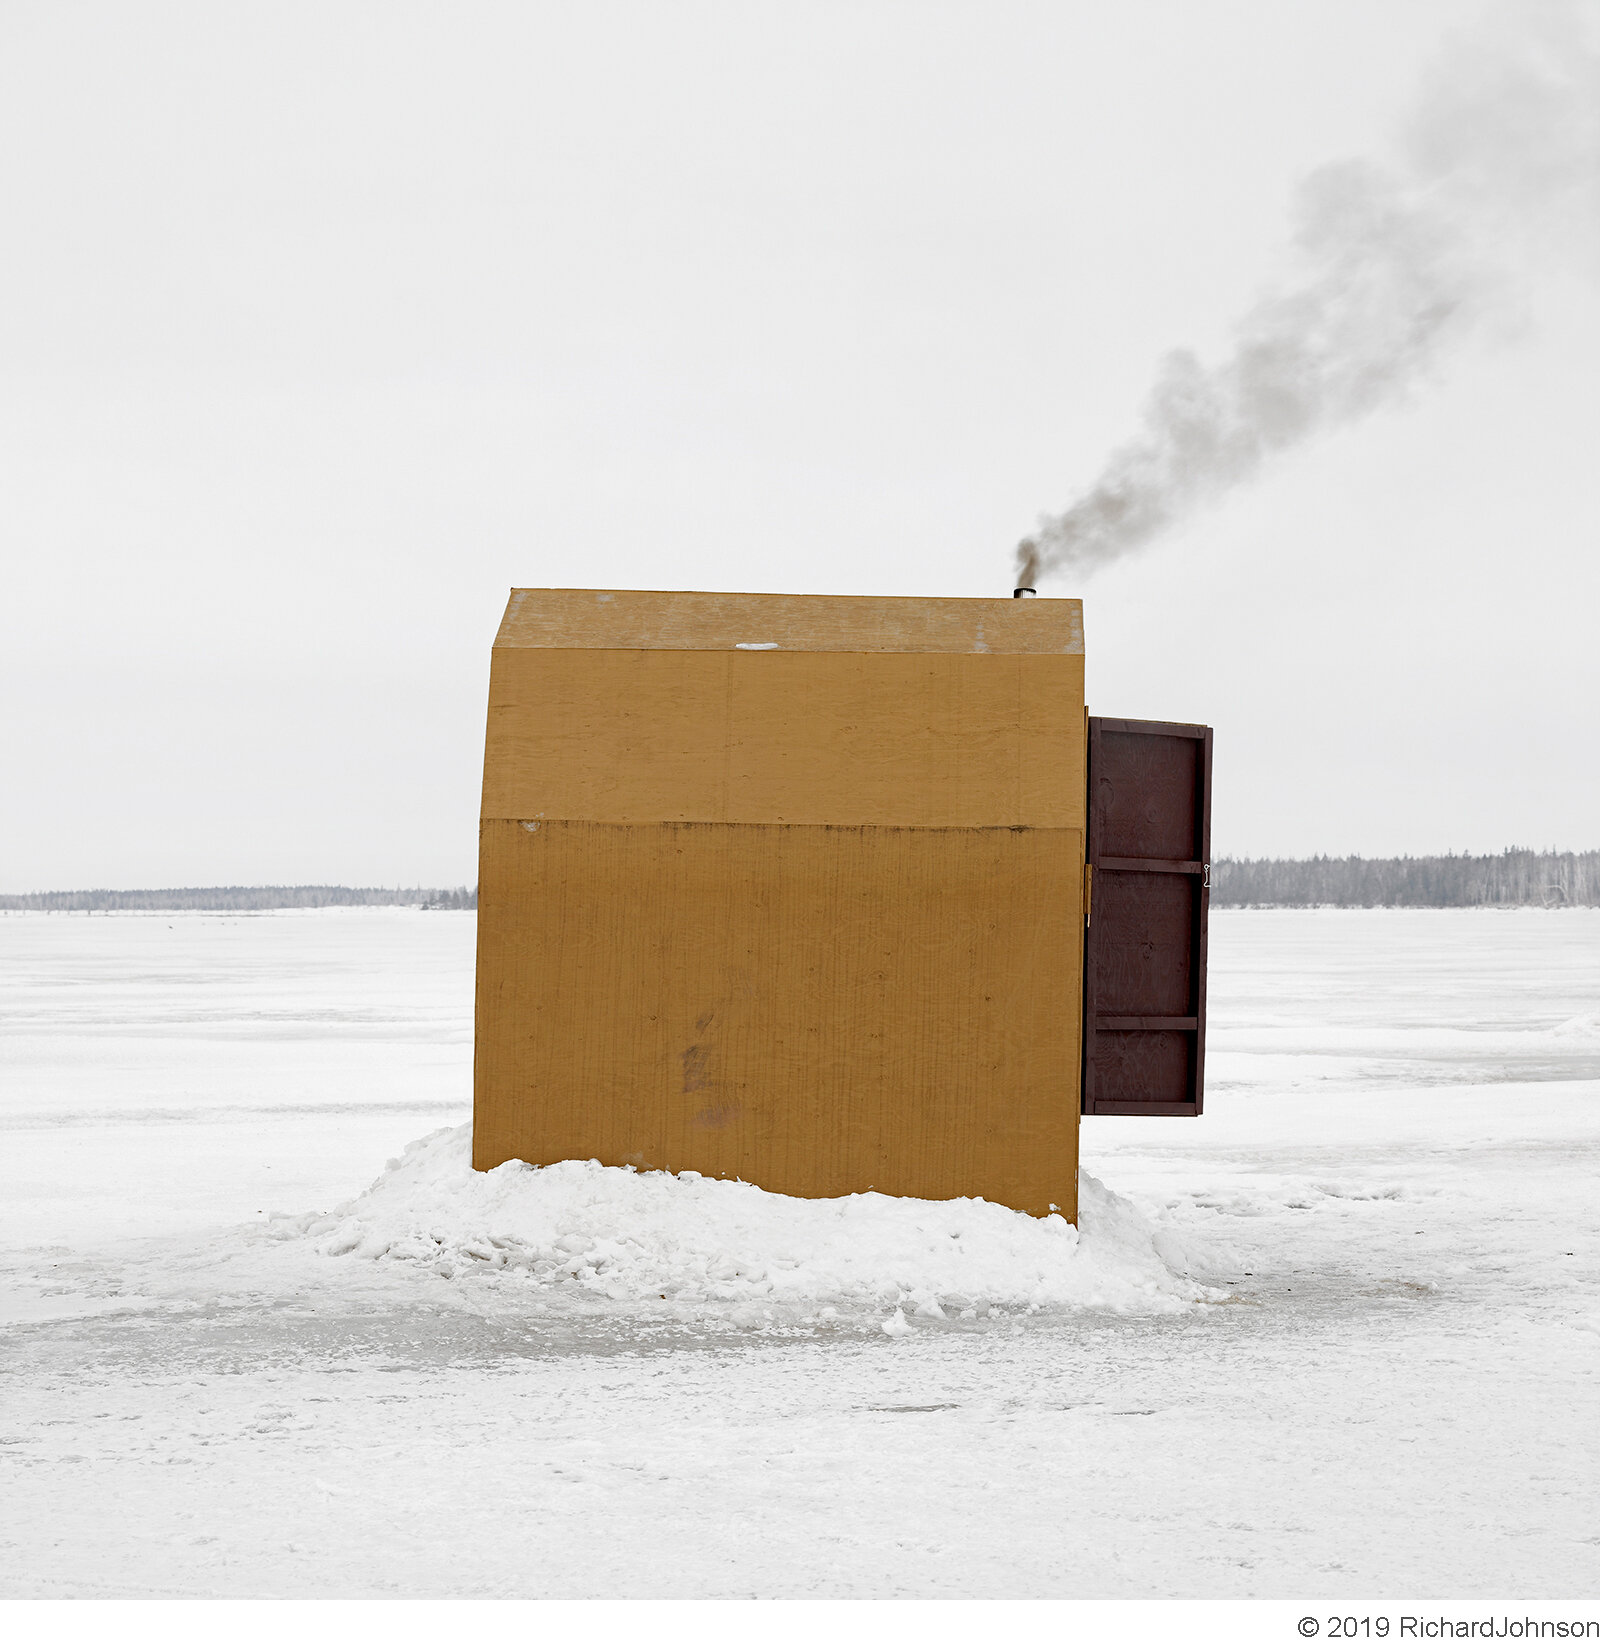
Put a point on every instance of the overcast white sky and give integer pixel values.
(323, 325)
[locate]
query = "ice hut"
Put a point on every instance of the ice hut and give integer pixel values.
(809, 891)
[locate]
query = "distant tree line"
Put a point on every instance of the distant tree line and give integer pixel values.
(239, 899)
(1519, 876)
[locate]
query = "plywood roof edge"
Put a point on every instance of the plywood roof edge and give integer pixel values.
(756, 621)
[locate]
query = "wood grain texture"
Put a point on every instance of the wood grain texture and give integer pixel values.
(817, 1010)
(697, 620)
(786, 738)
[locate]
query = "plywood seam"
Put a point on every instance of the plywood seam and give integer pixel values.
(761, 824)
(908, 650)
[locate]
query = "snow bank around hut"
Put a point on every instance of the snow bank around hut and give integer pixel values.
(684, 1246)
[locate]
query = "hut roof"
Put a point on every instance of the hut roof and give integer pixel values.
(701, 621)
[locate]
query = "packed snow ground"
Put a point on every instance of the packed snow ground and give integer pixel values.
(1338, 1338)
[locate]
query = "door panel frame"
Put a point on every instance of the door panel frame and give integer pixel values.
(1197, 872)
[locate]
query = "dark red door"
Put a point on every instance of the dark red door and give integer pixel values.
(1144, 954)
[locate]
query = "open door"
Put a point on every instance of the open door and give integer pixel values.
(1144, 963)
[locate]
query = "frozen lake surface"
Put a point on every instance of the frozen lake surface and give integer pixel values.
(1383, 1382)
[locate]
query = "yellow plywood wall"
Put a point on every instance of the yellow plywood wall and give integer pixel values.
(785, 888)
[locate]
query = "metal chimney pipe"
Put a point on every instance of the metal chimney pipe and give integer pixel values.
(1023, 590)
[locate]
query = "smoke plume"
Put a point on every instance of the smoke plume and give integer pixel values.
(1391, 265)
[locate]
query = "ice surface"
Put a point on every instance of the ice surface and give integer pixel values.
(1347, 1340)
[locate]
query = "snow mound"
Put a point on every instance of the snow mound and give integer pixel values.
(684, 1246)
(1581, 1028)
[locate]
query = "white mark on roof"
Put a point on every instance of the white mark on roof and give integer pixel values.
(755, 647)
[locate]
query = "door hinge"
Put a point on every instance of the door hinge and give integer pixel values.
(1088, 894)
